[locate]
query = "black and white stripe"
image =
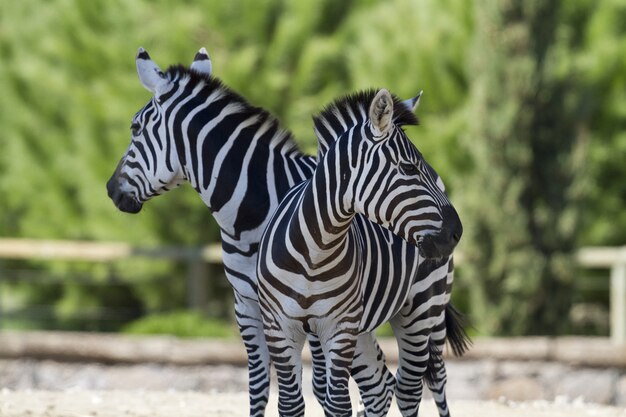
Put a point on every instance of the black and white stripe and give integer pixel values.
(238, 159)
(326, 269)
(241, 163)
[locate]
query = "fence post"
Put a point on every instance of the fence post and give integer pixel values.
(618, 302)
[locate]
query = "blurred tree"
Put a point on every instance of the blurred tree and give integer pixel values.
(521, 201)
(69, 89)
(603, 60)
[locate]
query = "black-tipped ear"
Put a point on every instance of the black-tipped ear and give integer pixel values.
(381, 112)
(202, 62)
(142, 54)
(414, 102)
(150, 74)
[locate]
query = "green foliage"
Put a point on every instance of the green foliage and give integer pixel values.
(523, 199)
(70, 89)
(181, 324)
(603, 59)
(508, 105)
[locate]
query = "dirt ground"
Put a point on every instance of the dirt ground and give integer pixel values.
(109, 384)
(79, 403)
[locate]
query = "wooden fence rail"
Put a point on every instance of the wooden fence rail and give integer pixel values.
(612, 258)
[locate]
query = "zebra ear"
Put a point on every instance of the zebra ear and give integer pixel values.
(202, 62)
(412, 103)
(381, 112)
(150, 74)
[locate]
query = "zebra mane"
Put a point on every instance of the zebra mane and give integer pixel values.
(350, 110)
(175, 73)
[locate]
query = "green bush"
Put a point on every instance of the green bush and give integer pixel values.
(182, 323)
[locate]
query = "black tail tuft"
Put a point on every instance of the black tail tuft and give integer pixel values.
(435, 361)
(455, 331)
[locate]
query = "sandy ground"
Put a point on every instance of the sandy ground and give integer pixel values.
(168, 404)
(134, 392)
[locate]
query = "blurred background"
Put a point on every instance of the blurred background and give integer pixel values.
(523, 115)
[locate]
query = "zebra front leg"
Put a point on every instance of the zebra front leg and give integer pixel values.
(284, 343)
(251, 329)
(376, 383)
(318, 365)
(339, 352)
(286, 354)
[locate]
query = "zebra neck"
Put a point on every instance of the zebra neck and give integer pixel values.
(322, 220)
(241, 162)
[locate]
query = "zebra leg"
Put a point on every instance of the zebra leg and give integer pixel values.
(285, 344)
(339, 352)
(318, 364)
(251, 329)
(285, 351)
(413, 357)
(376, 383)
(437, 377)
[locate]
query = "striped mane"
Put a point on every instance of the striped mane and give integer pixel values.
(348, 111)
(178, 73)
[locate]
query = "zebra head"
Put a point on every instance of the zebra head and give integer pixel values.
(392, 184)
(150, 165)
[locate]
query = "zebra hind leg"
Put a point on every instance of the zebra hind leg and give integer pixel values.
(436, 377)
(413, 359)
(409, 380)
(451, 329)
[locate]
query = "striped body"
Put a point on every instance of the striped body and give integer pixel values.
(325, 269)
(241, 163)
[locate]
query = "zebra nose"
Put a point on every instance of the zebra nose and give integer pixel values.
(111, 188)
(452, 224)
(457, 233)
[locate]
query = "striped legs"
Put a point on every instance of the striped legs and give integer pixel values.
(318, 365)
(420, 336)
(251, 329)
(287, 359)
(438, 377)
(339, 352)
(285, 344)
(376, 383)
(412, 363)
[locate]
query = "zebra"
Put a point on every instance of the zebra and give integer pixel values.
(241, 162)
(325, 270)
(329, 125)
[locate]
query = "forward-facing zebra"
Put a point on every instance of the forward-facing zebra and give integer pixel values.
(241, 163)
(434, 275)
(327, 271)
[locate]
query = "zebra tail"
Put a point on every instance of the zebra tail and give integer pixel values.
(458, 339)
(433, 364)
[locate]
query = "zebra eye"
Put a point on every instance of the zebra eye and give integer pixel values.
(408, 168)
(135, 129)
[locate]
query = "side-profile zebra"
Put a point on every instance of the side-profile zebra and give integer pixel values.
(327, 271)
(241, 163)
